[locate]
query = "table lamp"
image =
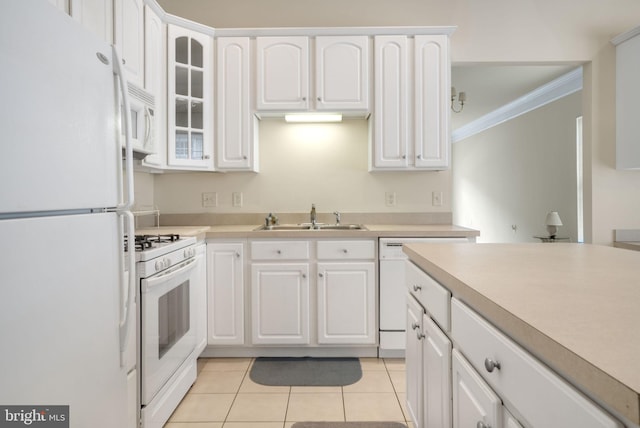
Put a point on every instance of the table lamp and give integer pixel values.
(552, 222)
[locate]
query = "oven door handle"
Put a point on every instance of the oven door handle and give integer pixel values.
(168, 274)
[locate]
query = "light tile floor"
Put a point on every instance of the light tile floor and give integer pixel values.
(225, 397)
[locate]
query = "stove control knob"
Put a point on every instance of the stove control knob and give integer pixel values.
(167, 262)
(159, 265)
(187, 253)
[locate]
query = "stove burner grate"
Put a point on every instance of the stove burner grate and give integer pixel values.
(144, 242)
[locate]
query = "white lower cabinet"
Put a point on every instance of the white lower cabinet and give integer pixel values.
(200, 291)
(280, 303)
(346, 303)
(225, 298)
(522, 380)
(313, 292)
(428, 368)
(493, 382)
(474, 403)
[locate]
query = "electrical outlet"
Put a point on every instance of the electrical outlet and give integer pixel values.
(210, 199)
(436, 199)
(236, 199)
(390, 199)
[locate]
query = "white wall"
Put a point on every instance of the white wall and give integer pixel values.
(498, 31)
(514, 173)
(301, 164)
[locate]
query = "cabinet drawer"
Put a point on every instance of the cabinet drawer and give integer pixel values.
(540, 396)
(280, 250)
(431, 295)
(346, 250)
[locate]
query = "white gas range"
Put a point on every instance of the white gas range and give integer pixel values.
(166, 272)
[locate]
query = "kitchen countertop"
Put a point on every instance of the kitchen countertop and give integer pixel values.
(244, 231)
(370, 231)
(627, 245)
(574, 306)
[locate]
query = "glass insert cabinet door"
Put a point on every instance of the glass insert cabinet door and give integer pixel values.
(190, 99)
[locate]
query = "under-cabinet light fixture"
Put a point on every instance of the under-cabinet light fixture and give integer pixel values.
(313, 117)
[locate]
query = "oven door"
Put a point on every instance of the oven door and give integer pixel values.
(167, 325)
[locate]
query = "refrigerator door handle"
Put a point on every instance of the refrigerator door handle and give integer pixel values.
(126, 120)
(127, 290)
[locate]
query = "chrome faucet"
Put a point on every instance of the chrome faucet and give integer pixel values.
(337, 214)
(313, 216)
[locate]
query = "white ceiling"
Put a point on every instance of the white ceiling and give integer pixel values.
(489, 87)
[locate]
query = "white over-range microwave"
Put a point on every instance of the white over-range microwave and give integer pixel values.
(143, 117)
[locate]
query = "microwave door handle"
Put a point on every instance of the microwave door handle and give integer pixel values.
(147, 125)
(126, 119)
(127, 287)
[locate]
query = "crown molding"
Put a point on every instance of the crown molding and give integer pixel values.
(626, 36)
(564, 85)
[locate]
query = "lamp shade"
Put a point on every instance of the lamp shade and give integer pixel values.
(553, 219)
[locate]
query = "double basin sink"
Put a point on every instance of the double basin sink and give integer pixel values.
(308, 226)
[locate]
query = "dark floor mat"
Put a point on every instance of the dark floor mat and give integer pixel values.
(278, 371)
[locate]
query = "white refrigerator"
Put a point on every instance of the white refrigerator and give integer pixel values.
(66, 320)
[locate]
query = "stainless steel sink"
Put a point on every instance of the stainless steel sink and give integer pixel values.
(306, 226)
(286, 227)
(340, 227)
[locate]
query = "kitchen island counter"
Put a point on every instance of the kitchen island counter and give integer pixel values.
(573, 306)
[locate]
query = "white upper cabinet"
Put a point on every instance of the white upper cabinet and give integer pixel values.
(432, 87)
(282, 73)
(129, 37)
(95, 15)
(411, 115)
(391, 114)
(190, 99)
(342, 73)
(155, 78)
(627, 92)
(235, 145)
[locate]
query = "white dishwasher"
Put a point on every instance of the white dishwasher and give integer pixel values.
(393, 292)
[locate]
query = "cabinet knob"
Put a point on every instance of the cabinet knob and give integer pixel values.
(206, 157)
(279, 251)
(404, 156)
(417, 287)
(415, 325)
(345, 251)
(420, 335)
(238, 255)
(124, 61)
(244, 157)
(304, 98)
(319, 99)
(481, 424)
(419, 156)
(489, 364)
(321, 275)
(304, 275)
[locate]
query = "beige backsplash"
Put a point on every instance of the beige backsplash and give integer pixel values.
(211, 219)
